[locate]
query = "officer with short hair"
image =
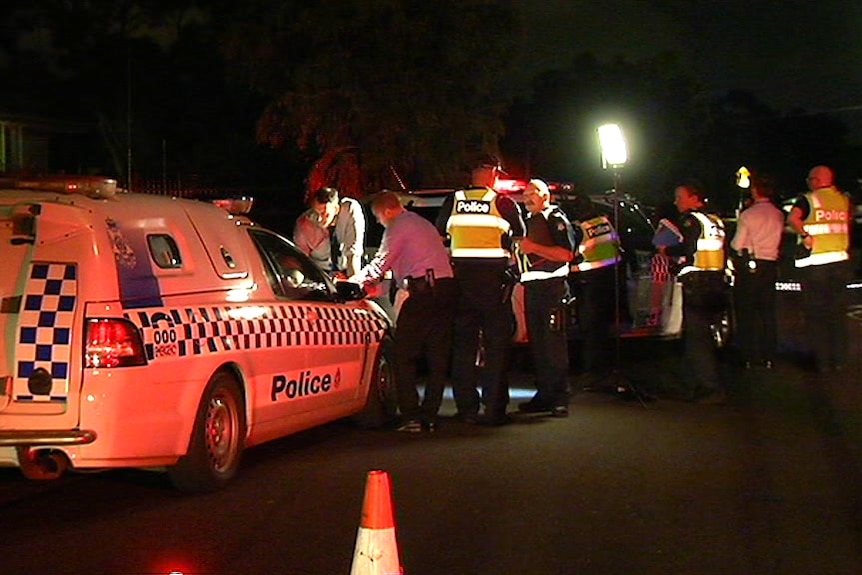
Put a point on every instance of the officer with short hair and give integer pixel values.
(412, 250)
(822, 218)
(479, 224)
(701, 270)
(756, 245)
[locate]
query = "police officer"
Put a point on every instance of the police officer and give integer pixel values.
(549, 249)
(821, 217)
(592, 278)
(412, 249)
(701, 270)
(756, 243)
(479, 223)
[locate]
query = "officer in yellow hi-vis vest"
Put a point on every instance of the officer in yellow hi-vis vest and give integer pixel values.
(701, 262)
(592, 277)
(822, 218)
(479, 224)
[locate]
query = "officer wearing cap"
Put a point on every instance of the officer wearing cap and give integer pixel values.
(549, 247)
(479, 224)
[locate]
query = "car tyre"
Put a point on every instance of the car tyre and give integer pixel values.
(381, 404)
(217, 440)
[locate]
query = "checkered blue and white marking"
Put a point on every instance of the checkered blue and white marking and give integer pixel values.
(45, 329)
(193, 331)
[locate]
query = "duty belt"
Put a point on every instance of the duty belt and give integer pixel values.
(421, 285)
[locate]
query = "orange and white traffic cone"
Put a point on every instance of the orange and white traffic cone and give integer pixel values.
(376, 551)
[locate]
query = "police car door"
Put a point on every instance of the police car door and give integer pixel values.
(38, 308)
(325, 347)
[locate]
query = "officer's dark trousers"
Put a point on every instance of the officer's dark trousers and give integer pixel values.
(483, 306)
(546, 325)
(704, 299)
(754, 296)
(825, 299)
(595, 292)
(424, 328)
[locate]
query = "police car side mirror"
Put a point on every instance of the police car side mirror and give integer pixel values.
(349, 290)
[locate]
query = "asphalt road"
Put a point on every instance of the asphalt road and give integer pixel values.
(771, 483)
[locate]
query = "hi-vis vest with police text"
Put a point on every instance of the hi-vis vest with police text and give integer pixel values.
(476, 227)
(534, 267)
(600, 245)
(828, 225)
(709, 255)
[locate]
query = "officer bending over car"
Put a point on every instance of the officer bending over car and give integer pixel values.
(411, 248)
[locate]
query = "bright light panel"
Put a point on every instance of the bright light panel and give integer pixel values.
(613, 145)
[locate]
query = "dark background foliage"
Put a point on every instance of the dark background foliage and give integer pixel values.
(284, 96)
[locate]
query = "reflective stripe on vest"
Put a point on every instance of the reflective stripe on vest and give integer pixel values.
(828, 225)
(709, 254)
(536, 267)
(475, 226)
(534, 275)
(599, 246)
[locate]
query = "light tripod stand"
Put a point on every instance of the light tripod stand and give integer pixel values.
(615, 155)
(622, 384)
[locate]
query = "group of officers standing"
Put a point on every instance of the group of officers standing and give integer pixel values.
(454, 295)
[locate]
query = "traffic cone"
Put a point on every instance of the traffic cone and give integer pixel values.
(376, 551)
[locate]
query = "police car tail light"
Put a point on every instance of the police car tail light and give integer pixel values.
(113, 343)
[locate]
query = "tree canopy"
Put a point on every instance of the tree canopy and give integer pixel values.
(375, 88)
(365, 95)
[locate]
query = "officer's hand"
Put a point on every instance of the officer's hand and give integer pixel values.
(526, 245)
(374, 290)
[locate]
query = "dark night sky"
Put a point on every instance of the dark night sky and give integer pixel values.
(789, 53)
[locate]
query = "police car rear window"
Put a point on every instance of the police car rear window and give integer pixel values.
(164, 251)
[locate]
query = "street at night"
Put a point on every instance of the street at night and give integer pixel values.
(768, 484)
(237, 236)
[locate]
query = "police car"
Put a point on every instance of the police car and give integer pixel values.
(156, 332)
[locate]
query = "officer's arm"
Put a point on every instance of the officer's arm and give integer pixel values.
(550, 253)
(690, 229)
(797, 215)
(563, 248)
(741, 237)
(301, 235)
(508, 208)
(353, 236)
(443, 217)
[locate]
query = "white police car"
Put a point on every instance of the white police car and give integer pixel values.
(157, 332)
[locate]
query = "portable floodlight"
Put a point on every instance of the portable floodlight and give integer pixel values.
(614, 153)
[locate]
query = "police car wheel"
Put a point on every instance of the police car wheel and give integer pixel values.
(380, 406)
(217, 439)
